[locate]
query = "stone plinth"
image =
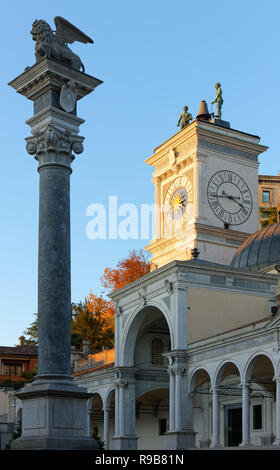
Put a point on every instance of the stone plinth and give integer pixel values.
(54, 413)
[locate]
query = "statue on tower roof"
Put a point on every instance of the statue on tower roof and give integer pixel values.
(53, 45)
(219, 100)
(184, 118)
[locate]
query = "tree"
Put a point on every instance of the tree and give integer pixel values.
(126, 271)
(269, 216)
(94, 317)
(32, 332)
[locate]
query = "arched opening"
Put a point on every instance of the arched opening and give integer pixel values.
(148, 324)
(260, 373)
(200, 393)
(152, 419)
(96, 416)
(142, 366)
(230, 405)
(152, 340)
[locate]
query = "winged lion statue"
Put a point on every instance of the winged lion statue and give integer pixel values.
(54, 44)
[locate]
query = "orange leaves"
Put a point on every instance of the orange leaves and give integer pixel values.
(127, 270)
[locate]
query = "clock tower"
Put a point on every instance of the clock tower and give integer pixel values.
(206, 192)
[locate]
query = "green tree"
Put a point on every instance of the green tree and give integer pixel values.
(269, 216)
(32, 332)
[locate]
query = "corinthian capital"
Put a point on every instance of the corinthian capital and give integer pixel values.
(54, 147)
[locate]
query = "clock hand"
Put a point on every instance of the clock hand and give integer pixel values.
(224, 195)
(232, 198)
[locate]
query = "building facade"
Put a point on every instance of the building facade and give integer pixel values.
(197, 340)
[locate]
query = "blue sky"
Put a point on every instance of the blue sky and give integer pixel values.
(154, 57)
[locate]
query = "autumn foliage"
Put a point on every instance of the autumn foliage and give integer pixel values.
(127, 270)
(94, 317)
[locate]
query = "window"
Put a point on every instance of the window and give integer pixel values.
(162, 426)
(157, 350)
(257, 416)
(266, 196)
(12, 369)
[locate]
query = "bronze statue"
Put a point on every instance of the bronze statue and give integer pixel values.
(54, 45)
(184, 118)
(219, 100)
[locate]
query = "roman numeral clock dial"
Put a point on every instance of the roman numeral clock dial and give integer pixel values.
(229, 197)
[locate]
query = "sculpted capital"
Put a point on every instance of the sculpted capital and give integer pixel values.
(54, 147)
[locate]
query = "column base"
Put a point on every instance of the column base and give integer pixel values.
(179, 440)
(204, 443)
(54, 416)
(125, 443)
(246, 444)
(266, 439)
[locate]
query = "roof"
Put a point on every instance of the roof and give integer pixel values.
(19, 351)
(260, 250)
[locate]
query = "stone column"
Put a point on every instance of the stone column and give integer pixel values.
(216, 417)
(54, 408)
(125, 437)
(171, 399)
(245, 414)
(106, 412)
(277, 412)
(179, 435)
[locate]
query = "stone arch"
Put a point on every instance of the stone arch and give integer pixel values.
(149, 389)
(108, 397)
(92, 399)
(133, 326)
(95, 412)
(221, 369)
(200, 384)
(248, 370)
(194, 374)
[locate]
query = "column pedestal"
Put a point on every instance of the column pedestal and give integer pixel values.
(54, 417)
(180, 440)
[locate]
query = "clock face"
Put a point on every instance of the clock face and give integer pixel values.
(176, 201)
(229, 197)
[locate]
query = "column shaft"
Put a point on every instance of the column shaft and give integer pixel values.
(54, 283)
(216, 418)
(245, 414)
(277, 412)
(171, 401)
(178, 402)
(122, 411)
(106, 427)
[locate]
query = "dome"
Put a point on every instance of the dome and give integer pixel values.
(260, 250)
